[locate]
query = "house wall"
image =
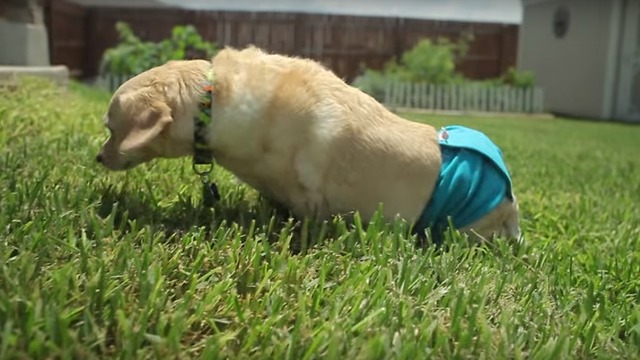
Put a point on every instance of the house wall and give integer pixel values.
(573, 70)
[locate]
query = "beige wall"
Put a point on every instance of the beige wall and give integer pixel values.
(572, 70)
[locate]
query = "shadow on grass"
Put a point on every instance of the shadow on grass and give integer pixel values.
(188, 214)
(184, 215)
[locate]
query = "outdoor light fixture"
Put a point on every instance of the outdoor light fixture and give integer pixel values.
(561, 22)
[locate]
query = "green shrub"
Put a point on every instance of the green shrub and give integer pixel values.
(132, 55)
(428, 61)
(517, 78)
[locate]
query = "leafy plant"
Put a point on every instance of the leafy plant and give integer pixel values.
(517, 78)
(428, 61)
(132, 55)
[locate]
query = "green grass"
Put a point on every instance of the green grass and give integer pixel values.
(126, 265)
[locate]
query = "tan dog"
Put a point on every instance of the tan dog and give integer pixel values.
(292, 130)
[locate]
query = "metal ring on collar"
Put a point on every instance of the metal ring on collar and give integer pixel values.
(207, 171)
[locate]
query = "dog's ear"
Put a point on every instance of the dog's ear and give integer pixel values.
(148, 124)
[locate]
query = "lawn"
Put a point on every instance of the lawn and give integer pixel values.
(127, 265)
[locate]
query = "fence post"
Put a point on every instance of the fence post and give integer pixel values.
(387, 93)
(491, 99)
(407, 94)
(446, 95)
(396, 94)
(513, 101)
(399, 95)
(504, 104)
(432, 96)
(527, 99)
(521, 100)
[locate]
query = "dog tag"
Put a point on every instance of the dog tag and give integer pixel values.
(210, 194)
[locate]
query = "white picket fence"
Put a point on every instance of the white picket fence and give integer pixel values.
(111, 82)
(464, 97)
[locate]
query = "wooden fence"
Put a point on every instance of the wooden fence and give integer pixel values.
(79, 36)
(464, 97)
(67, 29)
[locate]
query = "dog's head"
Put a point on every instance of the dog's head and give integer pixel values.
(151, 116)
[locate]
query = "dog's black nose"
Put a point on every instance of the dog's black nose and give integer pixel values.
(99, 158)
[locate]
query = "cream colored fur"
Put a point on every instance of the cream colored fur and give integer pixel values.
(292, 130)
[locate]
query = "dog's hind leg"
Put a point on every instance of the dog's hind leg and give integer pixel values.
(502, 222)
(511, 224)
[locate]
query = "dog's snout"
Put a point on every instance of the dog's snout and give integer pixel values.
(99, 158)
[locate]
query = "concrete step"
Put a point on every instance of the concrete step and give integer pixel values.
(59, 73)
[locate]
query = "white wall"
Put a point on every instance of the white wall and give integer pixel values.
(572, 70)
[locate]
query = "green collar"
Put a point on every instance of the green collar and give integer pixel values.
(202, 155)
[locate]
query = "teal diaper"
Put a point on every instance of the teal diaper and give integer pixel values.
(473, 181)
